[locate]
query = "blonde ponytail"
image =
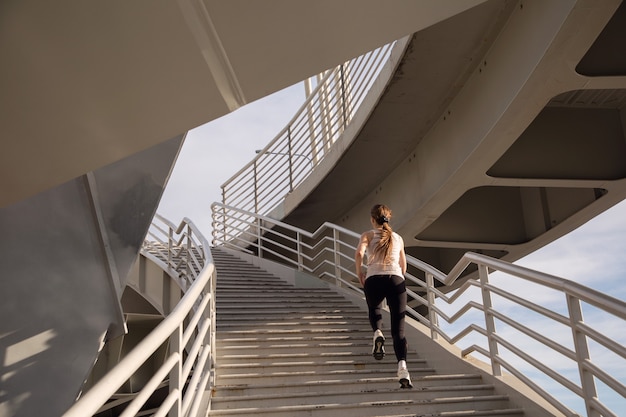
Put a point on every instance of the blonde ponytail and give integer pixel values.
(381, 215)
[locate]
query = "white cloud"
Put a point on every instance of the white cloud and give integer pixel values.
(592, 255)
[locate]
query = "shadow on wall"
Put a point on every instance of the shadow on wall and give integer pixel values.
(65, 254)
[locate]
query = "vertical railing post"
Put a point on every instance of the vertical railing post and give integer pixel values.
(311, 120)
(256, 190)
(490, 323)
(347, 99)
(337, 258)
(299, 251)
(170, 246)
(430, 299)
(342, 86)
(344, 117)
(259, 236)
(212, 312)
(289, 145)
(189, 268)
(581, 348)
(325, 112)
(176, 374)
(215, 216)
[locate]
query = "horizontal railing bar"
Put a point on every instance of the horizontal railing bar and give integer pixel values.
(610, 344)
(198, 399)
(166, 405)
(537, 388)
(195, 383)
(605, 377)
(536, 336)
(588, 295)
(186, 249)
(328, 253)
(469, 329)
(529, 305)
(540, 366)
(128, 365)
(269, 145)
(195, 349)
(148, 389)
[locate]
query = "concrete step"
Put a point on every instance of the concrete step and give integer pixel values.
(246, 348)
(278, 347)
(295, 377)
(360, 383)
(230, 310)
(275, 332)
(306, 364)
(298, 303)
(286, 336)
(356, 393)
(404, 404)
(290, 324)
(244, 316)
(236, 288)
(285, 351)
(268, 356)
(244, 282)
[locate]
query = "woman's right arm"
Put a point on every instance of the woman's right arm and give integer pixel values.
(358, 258)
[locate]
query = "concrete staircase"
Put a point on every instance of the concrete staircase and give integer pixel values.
(292, 351)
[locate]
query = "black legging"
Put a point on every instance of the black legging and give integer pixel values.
(393, 288)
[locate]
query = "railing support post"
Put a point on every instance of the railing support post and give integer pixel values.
(223, 212)
(188, 262)
(344, 117)
(259, 236)
(311, 120)
(170, 247)
(430, 298)
(337, 257)
(299, 251)
(581, 347)
(176, 374)
(256, 189)
(327, 111)
(290, 158)
(490, 323)
(324, 110)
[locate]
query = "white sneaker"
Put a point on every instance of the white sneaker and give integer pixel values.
(404, 378)
(378, 351)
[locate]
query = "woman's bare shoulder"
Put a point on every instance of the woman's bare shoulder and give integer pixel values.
(367, 235)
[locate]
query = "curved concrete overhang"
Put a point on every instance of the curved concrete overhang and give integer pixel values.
(500, 130)
(85, 84)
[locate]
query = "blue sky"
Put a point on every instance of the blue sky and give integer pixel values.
(214, 152)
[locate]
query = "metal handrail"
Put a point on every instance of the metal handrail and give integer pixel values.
(184, 253)
(328, 253)
(301, 146)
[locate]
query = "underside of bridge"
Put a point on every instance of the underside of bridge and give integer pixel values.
(500, 130)
(96, 100)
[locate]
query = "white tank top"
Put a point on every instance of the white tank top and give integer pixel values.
(375, 263)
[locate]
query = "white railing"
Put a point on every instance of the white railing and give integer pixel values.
(523, 331)
(293, 154)
(189, 329)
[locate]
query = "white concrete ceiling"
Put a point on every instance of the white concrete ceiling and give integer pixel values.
(86, 83)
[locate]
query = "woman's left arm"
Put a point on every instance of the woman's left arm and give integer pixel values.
(402, 260)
